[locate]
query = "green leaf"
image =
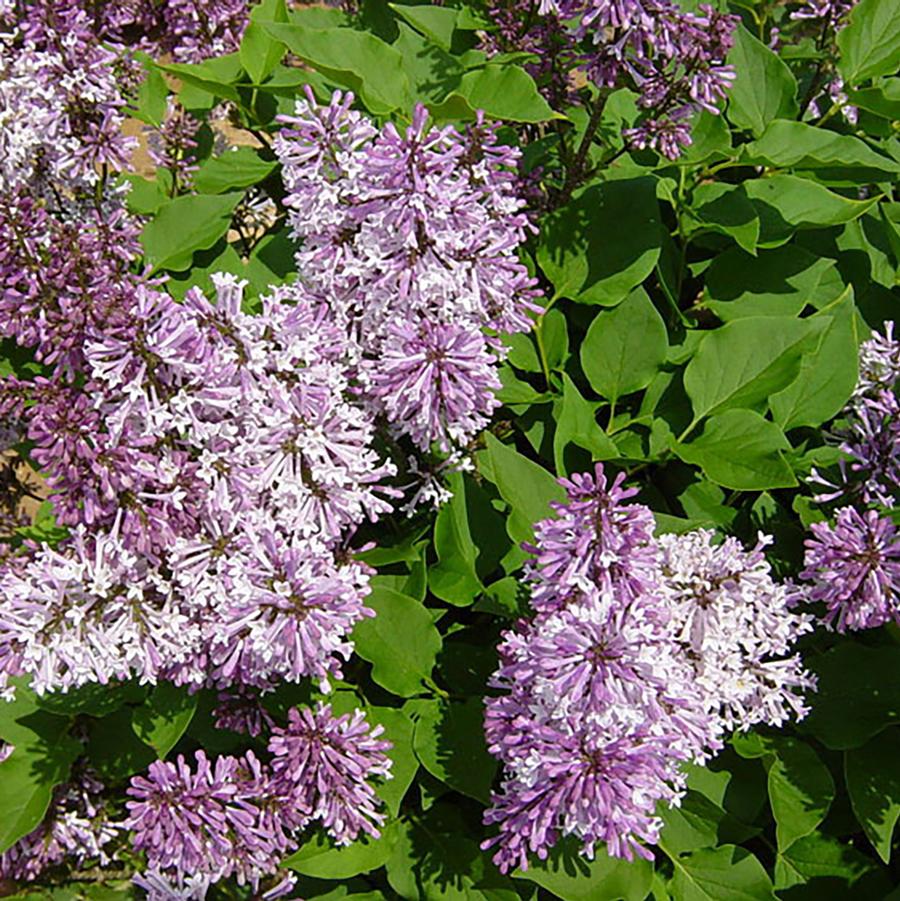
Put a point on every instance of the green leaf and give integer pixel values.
(699, 822)
(870, 44)
(400, 642)
(572, 877)
(800, 790)
(153, 94)
(577, 424)
(355, 59)
(819, 856)
(873, 783)
(144, 197)
(437, 23)
(727, 873)
(240, 167)
(828, 376)
(796, 145)
(163, 718)
(525, 486)
(555, 337)
(745, 361)
(454, 578)
(741, 450)
(398, 730)
(40, 761)
(435, 860)
(215, 77)
(779, 282)
(320, 858)
(803, 203)
(505, 92)
(27, 779)
(449, 742)
(184, 225)
(259, 52)
(726, 209)
(624, 347)
(114, 750)
(604, 242)
(764, 88)
(883, 100)
(858, 694)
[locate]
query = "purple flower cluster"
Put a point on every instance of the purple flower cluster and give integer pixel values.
(642, 653)
(189, 30)
(410, 237)
(674, 59)
(239, 817)
(854, 566)
(212, 468)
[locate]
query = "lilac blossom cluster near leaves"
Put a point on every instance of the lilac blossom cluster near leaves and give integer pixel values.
(410, 237)
(643, 654)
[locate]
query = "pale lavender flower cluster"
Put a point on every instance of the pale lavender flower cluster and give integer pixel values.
(410, 237)
(854, 563)
(854, 566)
(642, 652)
(675, 59)
(213, 469)
(238, 817)
(77, 829)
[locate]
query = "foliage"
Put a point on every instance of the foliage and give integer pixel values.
(698, 331)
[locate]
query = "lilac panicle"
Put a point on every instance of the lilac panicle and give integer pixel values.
(323, 765)
(642, 653)
(410, 238)
(854, 568)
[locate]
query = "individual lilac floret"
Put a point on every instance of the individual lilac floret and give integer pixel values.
(854, 566)
(323, 765)
(595, 540)
(735, 626)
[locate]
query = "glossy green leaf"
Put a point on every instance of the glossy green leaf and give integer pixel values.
(527, 487)
(259, 51)
(739, 449)
(803, 203)
(800, 790)
(164, 717)
(437, 23)
(454, 578)
(503, 91)
(603, 243)
(321, 858)
(449, 742)
(569, 876)
(873, 783)
(858, 694)
(398, 730)
(827, 375)
(726, 209)
(576, 423)
(624, 347)
(355, 59)
(870, 43)
(764, 88)
(746, 361)
(400, 641)
(779, 282)
(822, 857)
(240, 167)
(728, 873)
(185, 225)
(796, 145)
